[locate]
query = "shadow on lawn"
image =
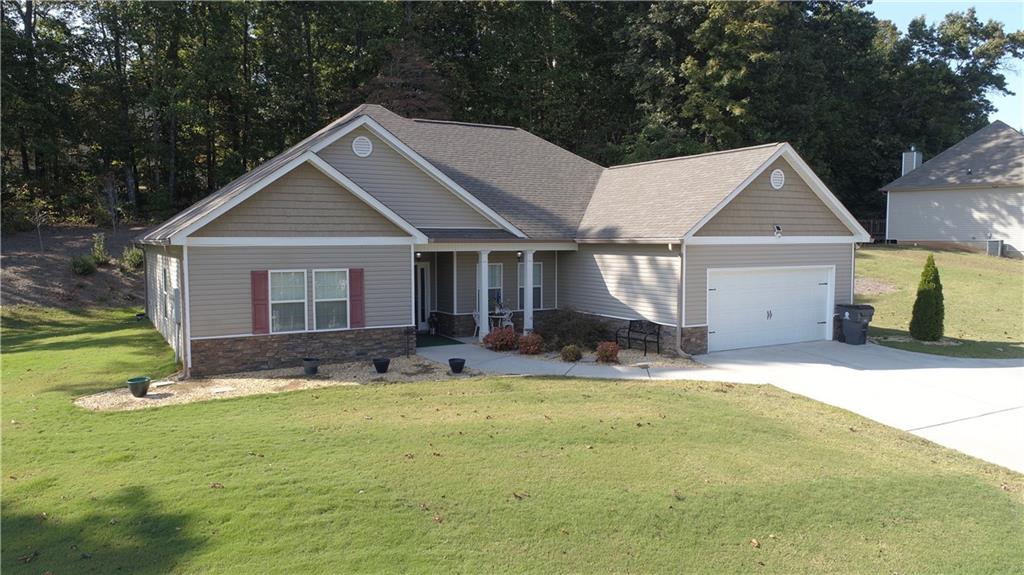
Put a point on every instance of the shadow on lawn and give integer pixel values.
(126, 532)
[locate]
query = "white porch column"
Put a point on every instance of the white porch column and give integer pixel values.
(481, 297)
(527, 291)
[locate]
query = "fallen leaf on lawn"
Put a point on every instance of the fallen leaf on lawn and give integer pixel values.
(255, 454)
(28, 558)
(409, 456)
(1005, 487)
(438, 519)
(424, 507)
(520, 496)
(216, 485)
(42, 516)
(564, 531)
(677, 495)
(854, 429)
(590, 447)
(755, 543)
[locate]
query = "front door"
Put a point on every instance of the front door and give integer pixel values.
(422, 295)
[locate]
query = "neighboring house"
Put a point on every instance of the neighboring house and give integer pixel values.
(971, 194)
(340, 245)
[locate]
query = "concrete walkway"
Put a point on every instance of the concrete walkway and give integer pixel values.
(972, 405)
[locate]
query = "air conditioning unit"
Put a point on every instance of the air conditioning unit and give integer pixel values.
(994, 248)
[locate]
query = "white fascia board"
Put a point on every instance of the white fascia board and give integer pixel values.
(825, 194)
(343, 180)
(316, 161)
(271, 241)
(767, 240)
(422, 163)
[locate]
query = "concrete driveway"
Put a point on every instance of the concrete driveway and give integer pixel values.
(975, 406)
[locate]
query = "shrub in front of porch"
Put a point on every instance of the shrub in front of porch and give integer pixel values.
(608, 352)
(531, 344)
(501, 339)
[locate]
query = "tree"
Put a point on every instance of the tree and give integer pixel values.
(926, 321)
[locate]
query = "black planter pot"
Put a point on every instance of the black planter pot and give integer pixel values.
(381, 364)
(310, 365)
(139, 386)
(456, 363)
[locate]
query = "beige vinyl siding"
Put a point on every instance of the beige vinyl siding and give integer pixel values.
(445, 281)
(401, 185)
(958, 216)
(220, 289)
(159, 302)
(759, 207)
(510, 280)
(303, 202)
(700, 258)
(621, 280)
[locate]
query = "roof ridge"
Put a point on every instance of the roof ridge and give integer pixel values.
(457, 123)
(676, 158)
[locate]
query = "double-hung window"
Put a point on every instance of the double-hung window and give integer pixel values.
(538, 285)
(494, 279)
(330, 299)
(287, 301)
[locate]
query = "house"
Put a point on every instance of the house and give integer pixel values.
(971, 194)
(340, 246)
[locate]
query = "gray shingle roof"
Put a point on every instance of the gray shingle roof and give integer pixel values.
(665, 198)
(545, 191)
(992, 156)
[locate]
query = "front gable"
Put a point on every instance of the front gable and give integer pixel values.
(401, 185)
(302, 203)
(759, 207)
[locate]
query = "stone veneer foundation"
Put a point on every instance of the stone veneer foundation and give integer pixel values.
(694, 340)
(234, 354)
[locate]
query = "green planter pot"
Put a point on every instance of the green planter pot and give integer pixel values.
(139, 386)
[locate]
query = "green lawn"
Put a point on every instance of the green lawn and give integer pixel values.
(478, 476)
(984, 299)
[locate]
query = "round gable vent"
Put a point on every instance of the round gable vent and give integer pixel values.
(362, 146)
(778, 179)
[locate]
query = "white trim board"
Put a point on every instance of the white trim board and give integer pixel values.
(422, 163)
(271, 241)
(767, 240)
(810, 178)
(328, 170)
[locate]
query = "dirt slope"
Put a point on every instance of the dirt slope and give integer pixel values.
(31, 277)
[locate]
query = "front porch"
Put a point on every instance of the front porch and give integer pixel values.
(451, 285)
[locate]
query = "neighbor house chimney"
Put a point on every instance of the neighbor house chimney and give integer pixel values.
(911, 160)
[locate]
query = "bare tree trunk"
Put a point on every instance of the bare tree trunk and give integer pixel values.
(110, 192)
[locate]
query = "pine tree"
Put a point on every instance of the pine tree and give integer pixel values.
(929, 309)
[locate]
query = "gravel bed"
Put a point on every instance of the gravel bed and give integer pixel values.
(402, 369)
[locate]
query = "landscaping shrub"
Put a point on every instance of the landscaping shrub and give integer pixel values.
(563, 327)
(531, 344)
(100, 255)
(571, 352)
(501, 339)
(929, 310)
(83, 265)
(132, 259)
(608, 352)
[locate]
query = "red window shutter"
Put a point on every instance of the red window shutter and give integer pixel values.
(260, 301)
(357, 301)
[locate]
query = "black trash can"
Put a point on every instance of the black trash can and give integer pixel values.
(855, 319)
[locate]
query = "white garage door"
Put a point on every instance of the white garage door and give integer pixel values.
(751, 307)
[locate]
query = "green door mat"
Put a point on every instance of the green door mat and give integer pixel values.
(424, 340)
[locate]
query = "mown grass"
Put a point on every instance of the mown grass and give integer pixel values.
(984, 299)
(488, 475)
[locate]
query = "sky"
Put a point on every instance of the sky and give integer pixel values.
(1009, 109)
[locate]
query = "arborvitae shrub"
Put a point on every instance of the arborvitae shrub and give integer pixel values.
(929, 309)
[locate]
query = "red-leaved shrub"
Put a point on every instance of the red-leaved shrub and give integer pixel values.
(608, 352)
(501, 339)
(530, 344)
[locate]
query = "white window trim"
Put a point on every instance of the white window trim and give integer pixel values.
(347, 299)
(499, 286)
(271, 302)
(537, 304)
